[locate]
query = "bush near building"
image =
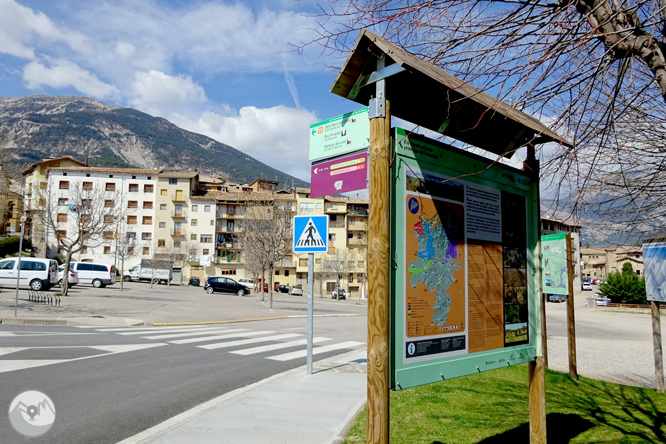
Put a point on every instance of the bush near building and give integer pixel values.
(9, 246)
(624, 287)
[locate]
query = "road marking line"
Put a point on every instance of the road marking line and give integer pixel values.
(193, 333)
(149, 329)
(218, 337)
(247, 341)
(316, 350)
(232, 321)
(265, 348)
(8, 350)
(199, 329)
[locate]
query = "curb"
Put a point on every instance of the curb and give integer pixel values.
(232, 321)
(20, 321)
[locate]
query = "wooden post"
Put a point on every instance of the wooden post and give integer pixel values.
(537, 388)
(656, 341)
(571, 322)
(378, 281)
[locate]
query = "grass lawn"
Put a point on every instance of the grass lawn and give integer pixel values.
(493, 407)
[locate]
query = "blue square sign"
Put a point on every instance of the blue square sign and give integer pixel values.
(311, 234)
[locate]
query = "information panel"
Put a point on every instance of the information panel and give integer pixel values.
(654, 256)
(464, 283)
(555, 274)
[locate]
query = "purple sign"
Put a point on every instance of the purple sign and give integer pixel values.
(342, 175)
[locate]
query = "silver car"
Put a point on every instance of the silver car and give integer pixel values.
(296, 290)
(72, 279)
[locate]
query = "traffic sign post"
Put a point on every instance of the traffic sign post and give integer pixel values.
(310, 236)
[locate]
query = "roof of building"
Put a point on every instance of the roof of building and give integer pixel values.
(178, 174)
(245, 197)
(302, 190)
(106, 170)
(209, 179)
(45, 162)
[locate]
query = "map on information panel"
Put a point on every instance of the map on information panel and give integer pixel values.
(554, 263)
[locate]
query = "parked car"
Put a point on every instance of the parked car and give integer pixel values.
(296, 290)
(339, 293)
(249, 283)
(596, 281)
(283, 289)
(37, 273)
(265, 288)
(557, 298)
(72, 279)
(224, 285)
(194, 281)
(99, 275)
(587, 286)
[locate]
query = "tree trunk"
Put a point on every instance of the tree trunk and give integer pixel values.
(270, 287)
(65, 275)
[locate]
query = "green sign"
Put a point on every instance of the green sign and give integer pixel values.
(554, 264)
(464, 282)
(340, 135)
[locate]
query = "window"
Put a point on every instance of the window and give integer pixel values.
(334, 206)
(319, 206)
(173, 181)
(350, 235)
(148, 205)
(108, 218)
(330, 286)
(212, 222)
(148, 188)
(287, 218)
(131, 235)
(230, 210)
(85, 218)
(161, 243)
(307, 207)
(359, 235)
(162, 206)
(84, 249)
(176, 244)
(62, 202)
(361, 264)
(351, 221)
(131, 220)
(350, 264)
(206, 251)
(108, 235)
(132, 204)
(350, 278)
(133, 188)
(42, 202)
(178, 210)
(109, 203)
(193, 237)
(146, 236)
(277, 272)
(130, 251)
(162, 224)
(177, 226)
(110, 186)
(303, 262)
(195, 222)
(62, 234)
(163, 192)
(206, 208)
(286, 272)
(331, 237)
(42, 185)
(147, 220)
(146, 251)
(359, 278)
(206, 238)
(62, 217)
(318, 261)
(64, 184)
(107, 250)
(87, 186)
(195, 208)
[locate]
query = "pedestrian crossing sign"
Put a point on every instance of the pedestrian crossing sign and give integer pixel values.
(311, 234)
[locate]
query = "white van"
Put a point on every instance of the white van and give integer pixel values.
(248, 283)
(37, 273)
(99, 275)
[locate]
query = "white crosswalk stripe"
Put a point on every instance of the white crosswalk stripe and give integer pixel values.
(136, 333)
(267, 348)
(315, 351)
(166, 335)
(220, 337)
(246, 341)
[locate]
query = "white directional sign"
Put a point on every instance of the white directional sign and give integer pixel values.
(311, 234)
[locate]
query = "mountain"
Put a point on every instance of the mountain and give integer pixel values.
(37, 127)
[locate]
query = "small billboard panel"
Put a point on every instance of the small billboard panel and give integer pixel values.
(654, 260)
(348, 173)
(340, 135)
(554, 270)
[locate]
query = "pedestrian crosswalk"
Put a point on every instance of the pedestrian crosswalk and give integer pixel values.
(276, 346)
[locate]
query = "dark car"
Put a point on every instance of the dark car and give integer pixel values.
(225, 285)
(283, 288)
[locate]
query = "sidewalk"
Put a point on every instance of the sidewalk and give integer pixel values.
(289, 408)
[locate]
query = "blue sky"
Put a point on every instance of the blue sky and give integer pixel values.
(216, 67)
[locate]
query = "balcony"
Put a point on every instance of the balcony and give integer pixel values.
(177, 233)
(179, 197)
(358, 212)
(227, 245)
(357, 242)
(227, 229)
(358, 226)
(230, 215)
(179, 215)
(335, 209)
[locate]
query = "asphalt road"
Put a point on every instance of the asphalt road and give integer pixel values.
(110, 385)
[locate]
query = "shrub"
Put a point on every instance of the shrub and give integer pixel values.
(9, 246)
(624, 287)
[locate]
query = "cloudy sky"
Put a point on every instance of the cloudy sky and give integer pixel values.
(225, 69)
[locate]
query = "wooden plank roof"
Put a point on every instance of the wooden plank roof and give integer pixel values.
(427, 96)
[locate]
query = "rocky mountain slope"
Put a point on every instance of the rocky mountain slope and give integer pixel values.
(36, 127)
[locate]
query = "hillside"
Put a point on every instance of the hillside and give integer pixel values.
(36, 127)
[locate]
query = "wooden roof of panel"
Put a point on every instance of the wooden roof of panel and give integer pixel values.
(428, 96)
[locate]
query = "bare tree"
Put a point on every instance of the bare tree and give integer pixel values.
(338, 265)
(126, 249)
(594, 70)
(266, 235)
(85, 218)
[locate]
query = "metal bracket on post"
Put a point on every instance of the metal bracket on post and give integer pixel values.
(377, 105)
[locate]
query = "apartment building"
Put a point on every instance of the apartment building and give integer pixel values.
(599, 262)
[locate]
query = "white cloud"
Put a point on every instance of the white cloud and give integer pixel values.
(64, 74)
(160, 94)
(276, 136)
(125, 50)
(21, 27)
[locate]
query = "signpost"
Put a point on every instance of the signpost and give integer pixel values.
(340, 135)
(654, 257)
(349, 173)
(310, 236)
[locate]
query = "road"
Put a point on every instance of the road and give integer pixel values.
(110, 383)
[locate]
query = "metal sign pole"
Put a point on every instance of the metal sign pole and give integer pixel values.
(310, 309)
(18, 267)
